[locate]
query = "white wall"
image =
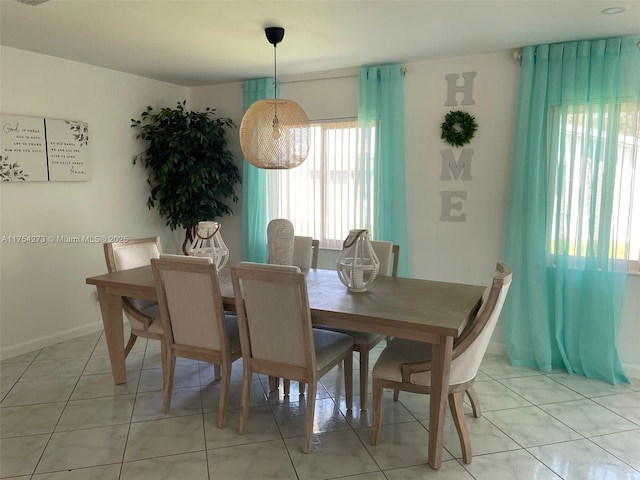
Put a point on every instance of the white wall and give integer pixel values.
(43, 295)
(227, 101)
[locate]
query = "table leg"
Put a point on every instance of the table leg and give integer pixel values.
(111, 308)
(440, 369)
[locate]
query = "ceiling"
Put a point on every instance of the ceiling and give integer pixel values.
(206, 42)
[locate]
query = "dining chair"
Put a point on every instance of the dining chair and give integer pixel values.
(143, 314)
(305, 256)
(277, 336)
(406, 364)
(280, 240)
(194, 321)
(305, 252)
(363, 342)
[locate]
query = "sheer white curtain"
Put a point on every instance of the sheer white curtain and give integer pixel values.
(318, 196)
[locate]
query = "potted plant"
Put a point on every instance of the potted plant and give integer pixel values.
(191, 171)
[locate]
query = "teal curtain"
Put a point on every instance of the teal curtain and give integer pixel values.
(380, 178)
(255, 213)
(569, 205)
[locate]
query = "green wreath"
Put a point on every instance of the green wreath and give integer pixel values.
(458, 128)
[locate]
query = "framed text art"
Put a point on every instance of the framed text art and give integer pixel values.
(36, 149)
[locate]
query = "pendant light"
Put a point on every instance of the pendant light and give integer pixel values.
(275, 133)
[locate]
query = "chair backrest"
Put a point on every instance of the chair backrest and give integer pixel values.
(136, 252)
(470, 348)
(305, 252)
(396, 259)
(384, 252)
(315, 250)
(280, 241)
(273, 315)
(190, 301)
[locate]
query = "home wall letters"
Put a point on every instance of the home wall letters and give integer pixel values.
(452, 200)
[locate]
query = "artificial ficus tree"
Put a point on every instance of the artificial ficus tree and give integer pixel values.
(190, 168)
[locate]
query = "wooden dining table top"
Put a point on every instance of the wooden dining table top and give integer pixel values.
(401, 307)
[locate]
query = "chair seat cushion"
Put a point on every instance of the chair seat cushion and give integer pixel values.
(141, 303)
(401, 351)
(330, 345)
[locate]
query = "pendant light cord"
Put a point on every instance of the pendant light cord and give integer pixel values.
(275, 73)
(275, 121)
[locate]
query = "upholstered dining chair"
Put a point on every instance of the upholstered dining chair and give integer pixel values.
(280, 241)
(305, 252)
(305, 256)
(277, 336)
(363, 342)
(406, 364)
(143, 314)
(194, 320)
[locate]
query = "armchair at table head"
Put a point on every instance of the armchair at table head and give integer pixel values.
(277, 336)
(406, 364)
(143, 314)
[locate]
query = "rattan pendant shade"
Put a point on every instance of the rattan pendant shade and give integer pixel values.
(275, 133)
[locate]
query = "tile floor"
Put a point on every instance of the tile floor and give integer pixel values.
(61, 417)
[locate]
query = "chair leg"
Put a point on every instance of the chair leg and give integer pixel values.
(244, 399)
(348, 380)
(224, 394)
(364, 377)
(475, 402)
(167, 376)
(310, 413)
(456, 404)
(376, 416)
(130, 344)
(216, 372)
(273, 383)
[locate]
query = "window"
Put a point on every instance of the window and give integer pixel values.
(319, 195)
(588, 191)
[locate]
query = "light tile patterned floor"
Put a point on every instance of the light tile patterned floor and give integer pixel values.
(62, 418)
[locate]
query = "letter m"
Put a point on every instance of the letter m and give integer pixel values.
(452, 168)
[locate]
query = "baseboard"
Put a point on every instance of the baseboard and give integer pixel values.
(41, 342)
(632, 370)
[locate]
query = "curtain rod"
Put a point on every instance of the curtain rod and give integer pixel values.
(314, 79)
(517, 53)
(350, 73)
(403, 72)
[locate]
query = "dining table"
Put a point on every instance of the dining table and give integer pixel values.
(431, 311)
